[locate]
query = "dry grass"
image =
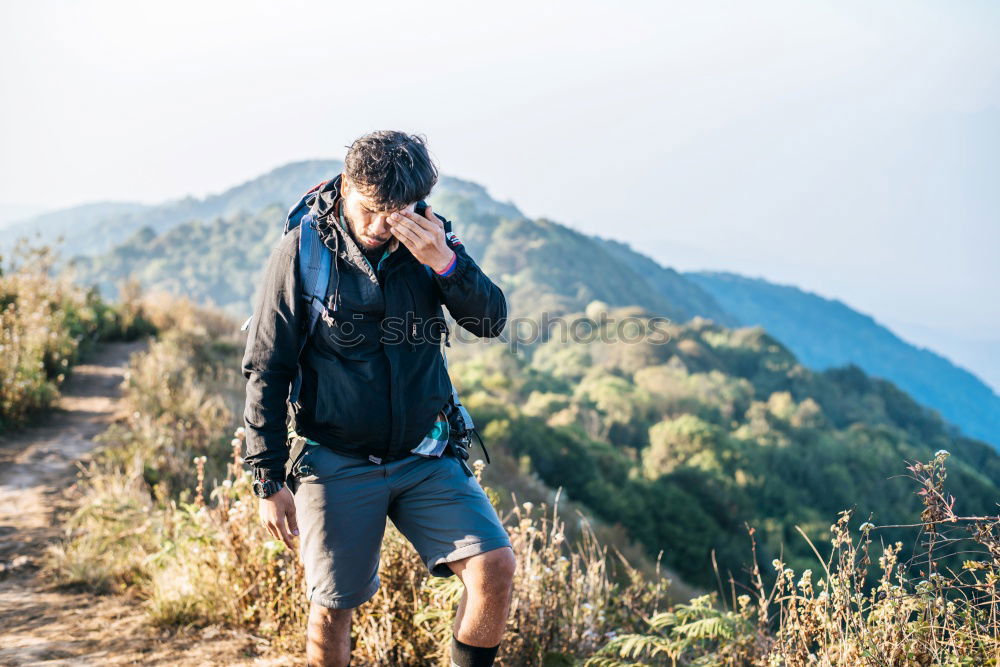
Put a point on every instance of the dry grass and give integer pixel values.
(208, 561)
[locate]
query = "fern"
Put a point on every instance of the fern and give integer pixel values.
(673, 633)
(717, 627)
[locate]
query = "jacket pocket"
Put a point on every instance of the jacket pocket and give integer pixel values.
(351, 401)
(419, 306)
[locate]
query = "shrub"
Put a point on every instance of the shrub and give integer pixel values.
(48, 324)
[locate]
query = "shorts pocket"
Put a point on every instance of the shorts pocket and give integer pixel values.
(320, 464)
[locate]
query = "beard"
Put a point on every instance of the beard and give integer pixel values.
(358, 241)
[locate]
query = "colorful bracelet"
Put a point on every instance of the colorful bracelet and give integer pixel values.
(451, 265)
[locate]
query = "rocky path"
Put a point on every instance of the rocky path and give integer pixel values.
(46, 626)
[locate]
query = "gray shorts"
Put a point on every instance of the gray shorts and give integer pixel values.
(342, 502)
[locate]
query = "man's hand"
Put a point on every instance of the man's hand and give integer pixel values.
(424, 236)
(275, 511)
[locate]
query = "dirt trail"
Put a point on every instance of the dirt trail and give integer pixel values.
(45, 626)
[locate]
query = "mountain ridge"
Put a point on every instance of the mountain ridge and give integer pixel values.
(561, 270)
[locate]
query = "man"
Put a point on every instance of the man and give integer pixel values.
(373, 402)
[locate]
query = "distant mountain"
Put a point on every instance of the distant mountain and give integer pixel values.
(11, 214)
(215, 263)
(69, 222)
(216, 256)
(826, 333)
(96, 228)
(541, 265)
(682, 292)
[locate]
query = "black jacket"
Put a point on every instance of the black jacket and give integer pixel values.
(373, 375)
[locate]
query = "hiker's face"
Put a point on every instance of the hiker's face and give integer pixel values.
(368, 225)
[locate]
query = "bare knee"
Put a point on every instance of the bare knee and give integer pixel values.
(503, 565)
(494, 573)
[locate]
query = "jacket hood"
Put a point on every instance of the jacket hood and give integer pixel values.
(324, 197)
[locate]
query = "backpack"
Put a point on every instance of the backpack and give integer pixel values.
(314, 268)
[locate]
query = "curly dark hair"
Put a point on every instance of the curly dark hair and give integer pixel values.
(391, 169)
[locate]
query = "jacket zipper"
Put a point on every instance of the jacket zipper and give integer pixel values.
(397, 414)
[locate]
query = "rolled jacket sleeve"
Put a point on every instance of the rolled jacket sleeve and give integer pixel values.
(476, 302)
(270, 361)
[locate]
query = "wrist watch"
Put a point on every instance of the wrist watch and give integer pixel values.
(266, 488)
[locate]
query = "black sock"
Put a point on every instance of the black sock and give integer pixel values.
(463, 655)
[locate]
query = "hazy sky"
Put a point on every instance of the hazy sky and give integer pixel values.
(850, 148)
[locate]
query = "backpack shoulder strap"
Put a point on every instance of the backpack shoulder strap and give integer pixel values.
(292, 220)
(314, 271)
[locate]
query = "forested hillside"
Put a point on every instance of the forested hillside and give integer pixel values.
(211, 262)
(95, 228)
(542, 266)
(214, 250)
(687, 441)
(825, 333)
